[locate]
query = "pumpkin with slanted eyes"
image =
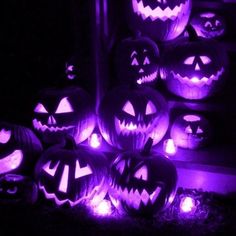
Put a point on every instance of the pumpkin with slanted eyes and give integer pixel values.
(161, 20)
(137, 60)
(142, 183)
(59, 112)
(129, 116)
(191, 131)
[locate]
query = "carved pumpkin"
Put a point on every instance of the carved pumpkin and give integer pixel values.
(208, 25)
(19, 149)
(129, 116)
(59, 112)
(69, 175)
(142, 183)
(191, 131)
(194, 68)
(137, 60)
(17, 189)
(161, 20)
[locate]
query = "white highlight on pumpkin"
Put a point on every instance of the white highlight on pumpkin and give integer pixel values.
(50, 171)
(40, 108)
(11, 162)
(95, 140)
(169, 147)
(64, 106)
(187, 205)
(64, 180)
(5, 136)
(128, 108)
(81, 172)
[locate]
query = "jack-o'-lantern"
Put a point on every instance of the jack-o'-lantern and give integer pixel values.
(17, 189)
(208, 25)
(194, 68)
(191, 131)
(19, 149)
(137, 60)
(70, 175)
(60, 112)
(161, 20)
(129, 116)
(142, 183)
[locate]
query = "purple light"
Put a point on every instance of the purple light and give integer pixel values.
(104, 208)
(170, 147)
(81, 172)
(64, 180)
(95, 140)
(192, 118)
(64, 106)
(187, 205)
(5, 136)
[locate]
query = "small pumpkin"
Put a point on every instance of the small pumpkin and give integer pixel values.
(128, 116)
(19, 149)
(208, 24)
(142, 183)
(70, 175)
(137, 61)
(161, 20)
(17, 189)
(66, 111)
(191, 131)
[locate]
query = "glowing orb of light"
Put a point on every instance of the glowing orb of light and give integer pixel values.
(103, 209)
(169, 147)
(187, 205)
(95, 140)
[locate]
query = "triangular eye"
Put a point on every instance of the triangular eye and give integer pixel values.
(121, 167)
(64, 106)
(5, 136)
(134, 62)
(40, 108)
(218, 23)
(129, 109)
(146, 61)
(189, 61)
(150, 108)
(205, 60)
(199, 130)
(188, 130)
(142, 173)
(207, 24)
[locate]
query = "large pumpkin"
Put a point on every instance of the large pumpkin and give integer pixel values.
(160, 20)
(129, 116)
(142, 183)
(69, 175)
(19, 149)
(60, 112)
(194, 68)
(137, 61)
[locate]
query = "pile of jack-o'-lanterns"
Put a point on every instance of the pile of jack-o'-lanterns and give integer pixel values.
(131, 118)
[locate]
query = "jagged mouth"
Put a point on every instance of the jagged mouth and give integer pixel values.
(212, 33)
(159, 13)
(130, 128)
(134, 197)
(40, 127)
(148, 78)
(199, 82)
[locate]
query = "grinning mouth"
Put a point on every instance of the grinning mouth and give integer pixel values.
(135, 197)
(39, 126)
(199, 82)
(213, 33)
(130, 128)
(158, 13)
(148, 78)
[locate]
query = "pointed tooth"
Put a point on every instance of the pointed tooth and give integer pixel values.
(145, 197)
(155, 194)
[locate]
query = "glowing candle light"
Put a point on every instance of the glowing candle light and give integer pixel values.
(169, 147)
(95, 140)
(103, 209)
(187, 205)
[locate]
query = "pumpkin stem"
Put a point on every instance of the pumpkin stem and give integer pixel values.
(147, 148)
(70, 143)
(192, 33)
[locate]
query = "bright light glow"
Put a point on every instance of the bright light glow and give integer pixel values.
(64, 180)
(95, 140)
(5, 136)
(187, 205)
(170, 147)
(64, 106)
(103, 209)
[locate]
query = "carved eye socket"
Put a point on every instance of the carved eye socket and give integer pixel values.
(199, 130)
(40, 108)
(129, 109)
(189, 61)
(121, 167)
(5, 136)
(49, 170)
(134, 62)
(150, 109)
(188, 130)
(142, 173)
(64, 106)
(218, 23)
(12, 190)
(205, 60)
(208, 24)
(146, 61)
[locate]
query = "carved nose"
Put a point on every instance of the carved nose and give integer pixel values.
(197, 67)
(51, 120)
(141, 70)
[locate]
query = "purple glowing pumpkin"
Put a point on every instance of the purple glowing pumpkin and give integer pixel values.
(142, 183)
(161, 20)
(61, 112)
(70, 175)
(129, 116)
